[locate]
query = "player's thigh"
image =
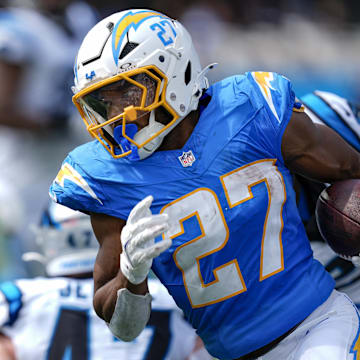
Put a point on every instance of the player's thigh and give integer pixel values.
(330, 333)
(334, 338)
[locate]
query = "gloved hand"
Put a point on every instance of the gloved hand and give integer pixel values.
(138, 241)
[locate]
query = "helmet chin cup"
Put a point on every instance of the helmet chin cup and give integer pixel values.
(130, 131)
(148, 132)
(125, 144)
(149, 148)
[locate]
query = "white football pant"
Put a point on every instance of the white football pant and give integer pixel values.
(331, 332)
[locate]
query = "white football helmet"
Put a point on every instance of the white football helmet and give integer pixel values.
(135, 66)
(66, 241)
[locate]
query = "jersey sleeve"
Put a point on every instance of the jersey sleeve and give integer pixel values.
(74, 188)
(11, 303)
(274, 95)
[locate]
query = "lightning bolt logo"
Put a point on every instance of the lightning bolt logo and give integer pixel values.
(355, 349)
(129, 20)
(263, 80)
(67, 172)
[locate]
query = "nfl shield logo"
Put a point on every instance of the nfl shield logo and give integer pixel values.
(187, 158)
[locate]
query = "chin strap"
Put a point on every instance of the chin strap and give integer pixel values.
(145, 133)
(140, 137)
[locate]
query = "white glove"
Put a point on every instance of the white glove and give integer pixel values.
(138, 241)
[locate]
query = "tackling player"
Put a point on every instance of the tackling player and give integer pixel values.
(218, 222)
(53, 318)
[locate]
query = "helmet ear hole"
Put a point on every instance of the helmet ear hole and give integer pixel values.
(188, 73)
(162, 115)
(128, 48)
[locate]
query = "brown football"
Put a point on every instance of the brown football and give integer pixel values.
(338, 216)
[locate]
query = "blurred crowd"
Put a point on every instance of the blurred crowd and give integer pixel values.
(315, 43)
(240, 13)
(247, 13)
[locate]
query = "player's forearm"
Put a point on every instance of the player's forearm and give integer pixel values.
(126, 312)
(319, 170)
(349, 168)
(337, 159)
(121, 269)
(108, 278)
(105, 296)
(327, 158)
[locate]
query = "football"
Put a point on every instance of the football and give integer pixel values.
(338, 217)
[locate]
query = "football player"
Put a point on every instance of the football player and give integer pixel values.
(342, 116)
(53, 318)
(194, 182)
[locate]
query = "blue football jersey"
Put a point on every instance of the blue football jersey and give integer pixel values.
(240, 265)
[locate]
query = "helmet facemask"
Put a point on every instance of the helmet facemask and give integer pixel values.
(120, 111)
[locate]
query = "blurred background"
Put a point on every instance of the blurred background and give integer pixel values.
(315, 43)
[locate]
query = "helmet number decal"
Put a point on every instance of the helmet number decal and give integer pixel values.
(91, 75)
(166, 31)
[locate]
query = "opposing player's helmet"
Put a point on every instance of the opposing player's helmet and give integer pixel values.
(149, 62)
(66, 241)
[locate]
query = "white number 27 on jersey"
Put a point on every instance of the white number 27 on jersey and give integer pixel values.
(205, 206)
